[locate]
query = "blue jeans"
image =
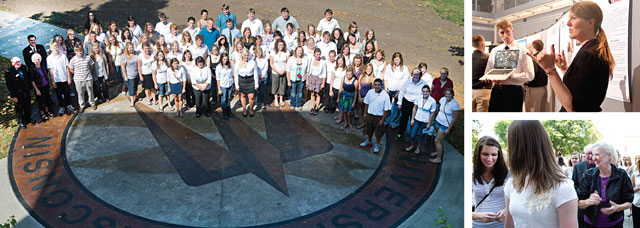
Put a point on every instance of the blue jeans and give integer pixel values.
(225, 98)
(132, 85)
(296, 93)
(117, 74)
(416, 132)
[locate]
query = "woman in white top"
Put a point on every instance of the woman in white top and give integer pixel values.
(313, 34)
(62, 49)
(175, 52)
(212, 62)
(99, 34)
(113, 30)
(425, 75)
(263, 65)
(353, 29)
(267, 35)
(223, 44)
(395, 74)
(191, 28)
(130, 71)
(573, 160)
(145, 65)
(290, 37)
(159, 71)
(309, 48)
(177, 78)
(161, 45)
(114, 52)
(201, 83)
(100, 73)
(297, 72)
(346, 52)
(490, 174)
(134, 28)
(144, 38)
(224, 79)
(445, 119)
(200, 49)
(236, 54)
(316, 80)
(278, 61)
(174, 35)
(355, 48)
(563, 166)
(258, 45)
(537, 194)
(246, 79)
(331, 65)
(337, 75)
(379, 64)
(127, 37)
(188, 64)
(301, 41)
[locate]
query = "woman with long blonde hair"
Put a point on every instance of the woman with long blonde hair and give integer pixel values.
(246, 79)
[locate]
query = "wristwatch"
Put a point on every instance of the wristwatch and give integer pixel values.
(548, 71)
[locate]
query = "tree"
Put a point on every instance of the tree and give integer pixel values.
(570, 136)
(501, 131)
(476, 127)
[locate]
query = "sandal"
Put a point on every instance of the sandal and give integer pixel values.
(338, 121)
(343, 126)
(418, 151)
(435, 160)
(409, 149)
(360, 126)
(351, 127)
(434, 154)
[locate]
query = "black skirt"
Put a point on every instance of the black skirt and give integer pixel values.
(148, 81)
(246, 84)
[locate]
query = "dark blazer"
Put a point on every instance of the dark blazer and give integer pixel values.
(35, 77)
(27, 52)
(18, 87)
(478, 64)
(619, 190)
(587, 79)
(578, 172)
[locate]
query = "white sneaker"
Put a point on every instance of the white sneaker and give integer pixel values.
(70, 108)
(376, 148)
(366, 143)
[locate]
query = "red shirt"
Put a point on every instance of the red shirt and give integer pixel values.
(437, 91)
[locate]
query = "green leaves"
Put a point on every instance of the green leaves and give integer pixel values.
(11, 222)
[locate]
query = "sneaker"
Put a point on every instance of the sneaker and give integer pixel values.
(366, 143)
(61, 111)
(70, 108)
(376, 148)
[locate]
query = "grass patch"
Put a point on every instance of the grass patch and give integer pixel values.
(452, 10)
(8, 124)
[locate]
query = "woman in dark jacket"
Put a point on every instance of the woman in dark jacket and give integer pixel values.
(41, 82)
(605, 191)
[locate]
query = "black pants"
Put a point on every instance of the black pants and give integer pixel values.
(63, 93)
(324, 96)
(213, 92)
(23, 110)
(202, 101)
(636, 215)
(506, 98)
(407, 109)
(188, 95)
(100, 89)
(44, 100)
(331, 101)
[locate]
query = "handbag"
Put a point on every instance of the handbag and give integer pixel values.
(473, 208)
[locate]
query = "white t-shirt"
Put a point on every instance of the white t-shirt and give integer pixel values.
(378, 102)
(291, 41)
(378, 67)
(201, 51)
(178, 76)
(327, 26)
(529, 210)
(58, 65)
(394, 79)
(161, 72)
(428, 79)
(338, 77)
(636, 195)
(279, 61)
(147, 64)
(326, 48)
(445, 116)
(164, 28)
(194, 32)
(172, 55)
(255, 26)
(424, 109)
(263, 65)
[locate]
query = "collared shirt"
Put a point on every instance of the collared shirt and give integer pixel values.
(249, 69)
(201, 51)
(378, 102)
(327, 26)
(222, 20)
(291, 40)
(194, 32)
(263, 65)
(81, 69)
(163, 28)
(201, 76)
(224, 76)
(210, 37)
(524, 70)
(58, 67)
(325, 48)
(425, 108)
(136, 31)
(231, 35)
(280, 24)
(411, 91)
(255, 26)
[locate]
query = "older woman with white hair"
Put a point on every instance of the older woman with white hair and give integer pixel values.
(604, 191)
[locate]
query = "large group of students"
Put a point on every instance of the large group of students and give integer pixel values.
(532, 187)
(212, 60)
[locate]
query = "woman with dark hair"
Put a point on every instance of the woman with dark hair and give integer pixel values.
(91, 19)
(278, 62)
(177, 78)
(316, 80)
(224, 81)
(338, 38)
(421, 119)
(297, 73)
(145, 67)
(573, 160)
(584, 84)
(604, 191)
(490, 173)
(201, 83)
(538, 194)
(563, 166)
(204, 15)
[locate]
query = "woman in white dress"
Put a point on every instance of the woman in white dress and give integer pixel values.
(538, 193)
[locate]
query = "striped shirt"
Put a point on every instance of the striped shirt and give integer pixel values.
(81, 69)
(493, 203)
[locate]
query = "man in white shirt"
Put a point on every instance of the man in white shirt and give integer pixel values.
(162, 27)
(326, 45)
(377, 104)
(328, 23)
(253, 23)
(508, 95)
